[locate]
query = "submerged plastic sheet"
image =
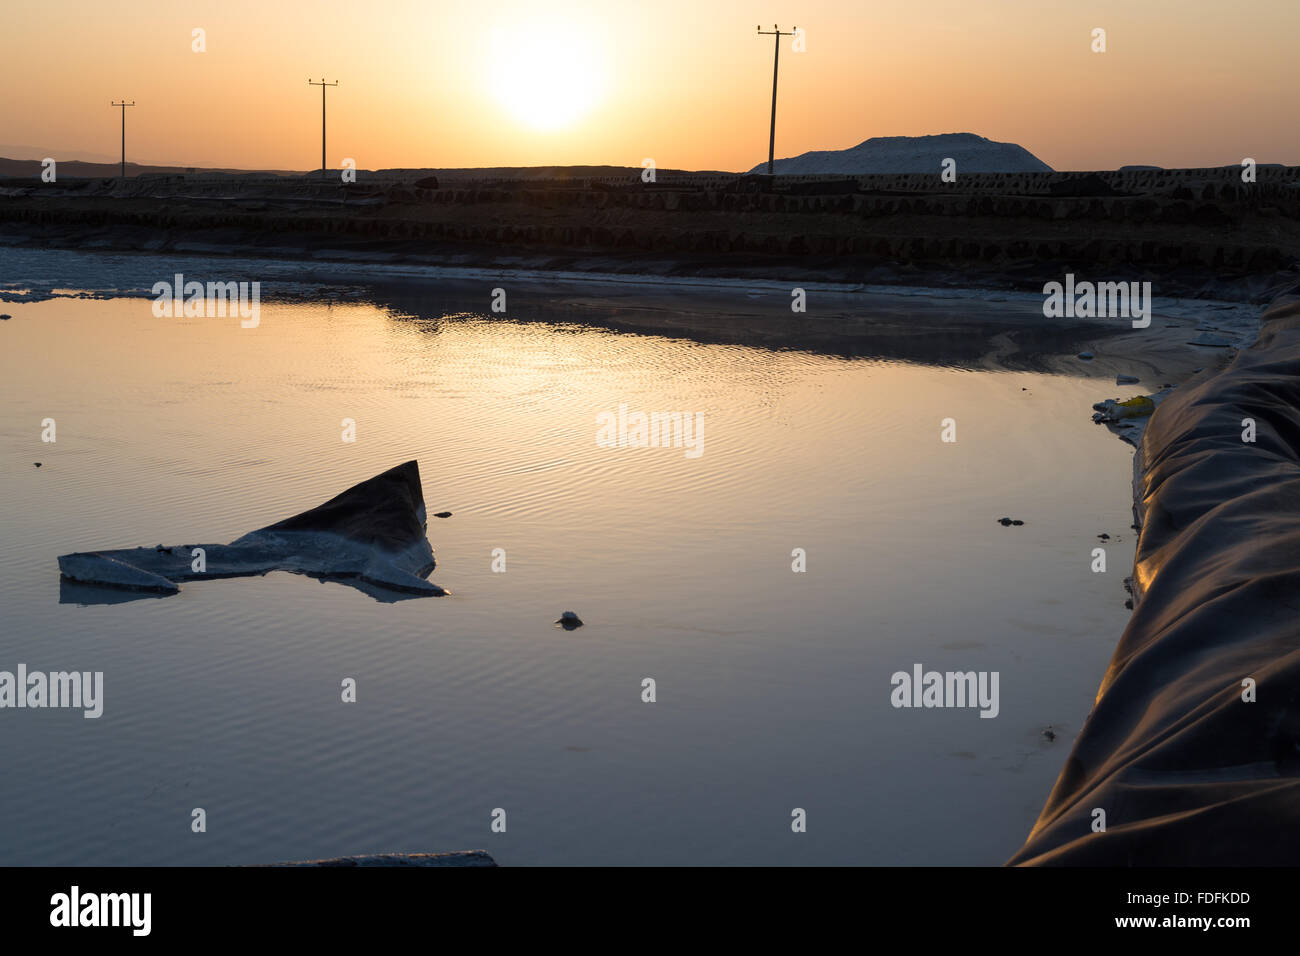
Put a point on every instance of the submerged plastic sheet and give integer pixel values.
(371, 536)
(1186, 771)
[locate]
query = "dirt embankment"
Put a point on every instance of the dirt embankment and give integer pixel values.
(1189, 231)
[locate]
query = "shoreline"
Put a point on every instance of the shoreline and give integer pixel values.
(978, 326)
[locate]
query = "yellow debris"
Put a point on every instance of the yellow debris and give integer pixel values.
(1134, 408)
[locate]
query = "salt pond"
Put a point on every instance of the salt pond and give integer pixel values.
(773, 686)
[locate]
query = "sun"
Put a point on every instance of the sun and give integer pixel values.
(547, 75)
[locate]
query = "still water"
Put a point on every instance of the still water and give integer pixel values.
(773, 687)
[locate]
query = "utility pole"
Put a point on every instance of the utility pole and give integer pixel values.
(124, 104)
(322, 84)
(776, 61)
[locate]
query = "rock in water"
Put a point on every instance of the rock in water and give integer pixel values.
(456, 858)
(372, 536)
(568, 620)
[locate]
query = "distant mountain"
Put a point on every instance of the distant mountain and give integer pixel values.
(18, 168)
(76, 169)
(38, 153)
(913, 154)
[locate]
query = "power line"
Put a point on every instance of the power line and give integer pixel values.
(322, 84)
(124, 104)
(777, 33)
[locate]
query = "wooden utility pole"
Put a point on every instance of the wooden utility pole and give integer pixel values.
(322, 84)
(124, 104)
(776, 33)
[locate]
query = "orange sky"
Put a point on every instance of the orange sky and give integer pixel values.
(686, 82)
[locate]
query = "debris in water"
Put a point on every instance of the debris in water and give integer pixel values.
(371, 536)
(1113, 411)
(568, 620)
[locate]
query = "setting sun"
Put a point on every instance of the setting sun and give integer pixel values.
(546, 75)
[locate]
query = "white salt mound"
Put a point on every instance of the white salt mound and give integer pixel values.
(913, 154)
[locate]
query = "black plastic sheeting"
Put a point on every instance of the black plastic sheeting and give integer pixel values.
(1185, 770)
(371, 536)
